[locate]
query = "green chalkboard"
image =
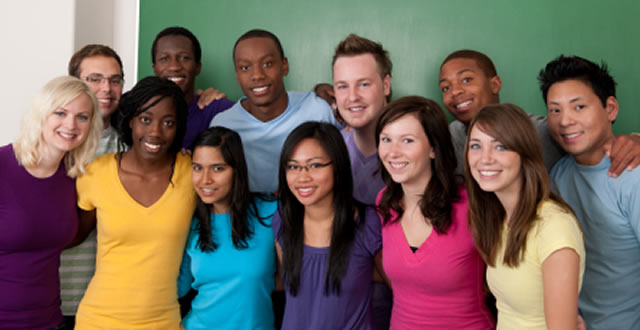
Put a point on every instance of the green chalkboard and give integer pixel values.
(520, 36)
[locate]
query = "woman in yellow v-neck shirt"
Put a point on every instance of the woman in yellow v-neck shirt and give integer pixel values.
(143, 201)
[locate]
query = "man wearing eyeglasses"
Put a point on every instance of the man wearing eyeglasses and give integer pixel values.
(101, 67)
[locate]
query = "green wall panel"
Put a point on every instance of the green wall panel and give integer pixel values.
(520, 37)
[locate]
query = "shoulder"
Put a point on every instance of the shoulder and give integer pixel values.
(565, 163)
(556, 228)
(309, 101)
(266, 205)
(229, 115)
(100, 164)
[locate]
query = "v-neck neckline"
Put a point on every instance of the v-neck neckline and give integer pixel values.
(132, 200)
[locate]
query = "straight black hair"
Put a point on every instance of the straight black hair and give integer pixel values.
(346, 207)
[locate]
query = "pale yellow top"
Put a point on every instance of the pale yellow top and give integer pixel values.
(139, 250)
(519, 291)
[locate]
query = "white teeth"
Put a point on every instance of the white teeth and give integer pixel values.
(398, 165)
(175, 79)
(259, 89)
(104, 101)
(305, 190)
(207, 190)
(356, 108)
(67, 135)
(153, 147)
(571, 136)
(489, 173)
(463, 104)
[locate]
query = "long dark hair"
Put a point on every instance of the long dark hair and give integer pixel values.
(344, 227)
(242, 203)
(442, 190)
(511, 126)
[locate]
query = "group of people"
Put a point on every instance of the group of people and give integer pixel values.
(380, 215)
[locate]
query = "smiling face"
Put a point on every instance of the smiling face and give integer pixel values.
(406, 153)
(359, 90)
(212, 178)
(153, 131)
(578, 121)
(260, 70)
(67, 127)
(174, 60)
(309, 174)
(493, 166)
(109, 90)
(466, 88)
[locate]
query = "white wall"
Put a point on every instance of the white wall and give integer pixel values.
(39, 36)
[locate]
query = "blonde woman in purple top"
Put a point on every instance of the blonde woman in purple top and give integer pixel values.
(59, 136)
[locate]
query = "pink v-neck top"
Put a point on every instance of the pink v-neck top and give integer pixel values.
(440, 286)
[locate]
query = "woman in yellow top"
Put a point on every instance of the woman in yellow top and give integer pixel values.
(527, 235)
(143, 200)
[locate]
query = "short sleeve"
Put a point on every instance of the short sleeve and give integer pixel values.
(558, 229)
(85, 187)
(372, 232)
(631, 202)
(185, 279)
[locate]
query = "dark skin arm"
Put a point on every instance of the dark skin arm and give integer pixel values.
(624, 151)
(86, 224)
(325, 92)
(208, 95)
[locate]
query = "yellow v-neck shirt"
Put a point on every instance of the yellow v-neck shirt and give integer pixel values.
(139, 249)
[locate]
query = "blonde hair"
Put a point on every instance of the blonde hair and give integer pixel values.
(57, 93)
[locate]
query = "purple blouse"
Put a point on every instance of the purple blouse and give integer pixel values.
(311, 308)
(38, 219)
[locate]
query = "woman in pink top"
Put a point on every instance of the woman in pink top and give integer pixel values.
(436, 274)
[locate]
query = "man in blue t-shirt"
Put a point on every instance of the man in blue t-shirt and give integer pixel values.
(268, 113)
(581, 104)
(176, 55)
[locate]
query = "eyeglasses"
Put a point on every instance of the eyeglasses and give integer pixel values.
(311, 168)
(98, 79)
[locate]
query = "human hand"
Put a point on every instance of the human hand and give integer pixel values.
(208, 95)
(624, 151)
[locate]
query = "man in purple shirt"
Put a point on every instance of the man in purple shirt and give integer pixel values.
(176, 55)
(362, 87)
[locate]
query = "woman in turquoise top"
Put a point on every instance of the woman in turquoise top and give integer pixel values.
(230, 257)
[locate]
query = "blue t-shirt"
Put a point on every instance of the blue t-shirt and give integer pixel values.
(234, 285)
(609, 212)
(262, 141)
(351, 309)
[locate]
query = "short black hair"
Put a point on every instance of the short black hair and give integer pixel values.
(483, 61)
(564, 68)
(177, 31)
(258, 33)
(131, 106)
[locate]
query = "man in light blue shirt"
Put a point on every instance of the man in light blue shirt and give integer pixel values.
(581, 103)
(268, 113)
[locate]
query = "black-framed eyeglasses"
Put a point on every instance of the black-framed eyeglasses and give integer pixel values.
(311, 168)
(98, 79)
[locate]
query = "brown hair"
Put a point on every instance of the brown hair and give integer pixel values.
(354, 45)
(511, 126)
(442, 190)
(90, 51)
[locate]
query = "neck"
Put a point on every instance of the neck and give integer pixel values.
(189, 96)
(48, 164)
(267, 112)
(106, 122)
(365, 139)
(509, 202)
(413, 193)
(144, 165)
(595, 154)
